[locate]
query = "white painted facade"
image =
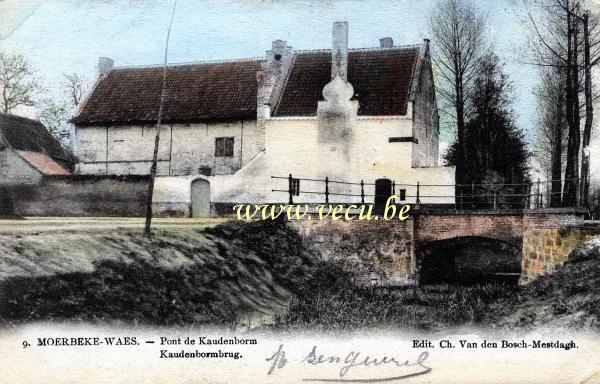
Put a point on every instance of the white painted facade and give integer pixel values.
(293, 147)
(184, 149)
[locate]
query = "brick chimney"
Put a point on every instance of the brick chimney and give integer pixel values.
(386, 42)
(105, 64)
(339, 51)
(270, 79)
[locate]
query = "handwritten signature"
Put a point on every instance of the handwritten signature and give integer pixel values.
(352, 360)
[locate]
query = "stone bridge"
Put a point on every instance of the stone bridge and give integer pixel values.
(449, 246)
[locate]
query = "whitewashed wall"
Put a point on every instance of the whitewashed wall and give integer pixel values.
(293, 147)
(15, 170)
(183, 149)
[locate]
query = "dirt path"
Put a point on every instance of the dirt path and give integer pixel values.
(60, 224)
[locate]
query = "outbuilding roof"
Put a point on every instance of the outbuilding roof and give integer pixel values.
(23, 134)
(43, 163)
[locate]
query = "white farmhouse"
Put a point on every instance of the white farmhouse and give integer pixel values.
(344, 114)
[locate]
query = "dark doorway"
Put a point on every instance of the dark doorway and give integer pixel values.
(470, 260)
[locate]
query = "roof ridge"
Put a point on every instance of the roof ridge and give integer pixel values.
(394, 48)
(11, 116)
(189, 63)
(259, 58)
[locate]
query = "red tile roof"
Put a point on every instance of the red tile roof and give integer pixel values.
(226, 91)
(195, 92)
(23, 134)
(381, 78)
(43, 163)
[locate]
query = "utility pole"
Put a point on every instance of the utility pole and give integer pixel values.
(148, 224)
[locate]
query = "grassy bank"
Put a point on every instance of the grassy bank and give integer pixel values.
(568, 298)
(425, 307)
(185, 276)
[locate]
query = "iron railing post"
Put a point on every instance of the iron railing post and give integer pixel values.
(495, 205)
(418, 193)
(362, 191)
(290, 186)
(326, 190)
(473, 194)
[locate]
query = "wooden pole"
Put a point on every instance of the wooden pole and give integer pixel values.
(148, 223)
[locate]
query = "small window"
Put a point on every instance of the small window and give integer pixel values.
(224, 147)
(295, 187)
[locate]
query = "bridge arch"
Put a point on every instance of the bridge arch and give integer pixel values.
(468, 260)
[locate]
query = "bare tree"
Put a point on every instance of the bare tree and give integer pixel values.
(18, 85)
(551, 128)
(571, 186)
(76, 87)
(458, 31)
(561, 33)
(588, 35)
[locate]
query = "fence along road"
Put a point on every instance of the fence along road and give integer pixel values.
(529, 195)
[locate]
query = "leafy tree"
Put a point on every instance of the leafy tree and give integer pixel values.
(495, 147)
(55, 114)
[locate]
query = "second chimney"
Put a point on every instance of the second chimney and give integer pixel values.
(386, 42)
(105, 64)
(339, 51)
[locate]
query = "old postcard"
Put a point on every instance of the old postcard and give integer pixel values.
(295, 191)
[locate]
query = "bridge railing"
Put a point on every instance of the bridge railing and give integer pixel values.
(497, 196)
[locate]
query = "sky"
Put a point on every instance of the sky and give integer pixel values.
(63, 36)
(66, 36)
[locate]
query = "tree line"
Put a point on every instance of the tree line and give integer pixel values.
(565, 46)
(489, 149)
